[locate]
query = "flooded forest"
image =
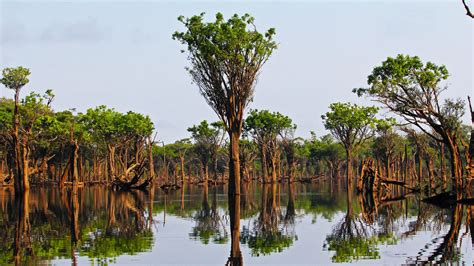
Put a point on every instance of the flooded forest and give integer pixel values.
(388, 183)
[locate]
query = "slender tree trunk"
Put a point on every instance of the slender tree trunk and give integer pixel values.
(73, 167)
(151, 163)
(111, 161)
(349, 169)
(234, 164)
(274, 170)
(263, 154)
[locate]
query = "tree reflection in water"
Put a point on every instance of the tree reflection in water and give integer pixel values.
(96, 226)
(271, 230)
(47, 224)
(209, 224)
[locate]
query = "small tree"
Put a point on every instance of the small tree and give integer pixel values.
(226, 58)
(387, 143)
(15, 79)
(352, 125)
(266, 127)
(207, 139)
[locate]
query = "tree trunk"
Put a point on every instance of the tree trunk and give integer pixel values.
(349, 169)
(151, 164)
(111, 162)
(456, 165)
(274, 170)
(73, 167)
(263, 154)
(234, 164)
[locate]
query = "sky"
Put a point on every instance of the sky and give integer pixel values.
(121, 54)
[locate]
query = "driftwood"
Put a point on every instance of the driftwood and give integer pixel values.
(124, 183)
(169, 187)
(371, 181)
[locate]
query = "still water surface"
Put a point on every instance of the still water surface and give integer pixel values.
(284, 224)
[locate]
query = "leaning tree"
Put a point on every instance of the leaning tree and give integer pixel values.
(412, 89)
(352, 125)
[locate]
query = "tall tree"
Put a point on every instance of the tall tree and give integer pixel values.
(412, 89)
(352, 125)
(226, 58)
(15, 79)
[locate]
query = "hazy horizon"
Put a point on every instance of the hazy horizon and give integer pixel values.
(121, 54)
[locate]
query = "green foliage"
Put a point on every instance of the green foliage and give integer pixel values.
(6, 114)
(226, 58)
(265, 125)
(107, 125)
(350, 124)
(15, 78)
(266, 242)
(357, 248)
(412, 89)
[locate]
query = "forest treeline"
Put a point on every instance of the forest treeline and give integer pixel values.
(423, 145)
(105, 146)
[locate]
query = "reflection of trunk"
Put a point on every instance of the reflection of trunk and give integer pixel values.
(235, 258)
(150, 205)
(447, 249)
(290, 208)
(111, 213)
(75, 216)
(471, 223)
(22, 229)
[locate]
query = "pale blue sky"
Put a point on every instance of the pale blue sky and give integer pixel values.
(121, 53)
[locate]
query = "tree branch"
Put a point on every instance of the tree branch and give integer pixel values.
(468, 11)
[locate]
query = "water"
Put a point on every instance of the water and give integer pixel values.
(297, 224)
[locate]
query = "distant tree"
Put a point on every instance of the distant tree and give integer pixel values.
(387, 143)
(265, 127)
(179, 149)
(352, 125)
(226, 58)
(412, 89)
(328, 150)
(207, 139)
